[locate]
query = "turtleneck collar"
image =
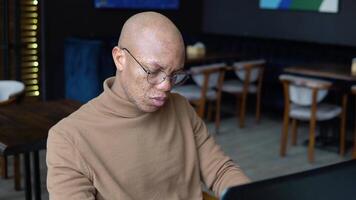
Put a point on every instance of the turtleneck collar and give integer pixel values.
(113, 103)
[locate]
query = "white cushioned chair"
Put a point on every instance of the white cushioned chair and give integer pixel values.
(250, 74)
(302, 102)
(208, 80)
(11, 92)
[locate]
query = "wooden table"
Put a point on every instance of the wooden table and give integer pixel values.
(24, 129)
(212, 57)
(340, 75)
(324, 70)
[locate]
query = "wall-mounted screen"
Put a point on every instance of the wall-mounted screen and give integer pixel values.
(245, 18)
(328, 6)
(137, 4)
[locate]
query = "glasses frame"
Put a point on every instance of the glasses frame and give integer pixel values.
(148, 72)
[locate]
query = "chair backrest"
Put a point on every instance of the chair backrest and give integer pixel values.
(300, 89)
(255, 67)
(10, 90)
(213, 70)
(207, 77)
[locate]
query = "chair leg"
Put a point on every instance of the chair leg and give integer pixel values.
(217, 117)
(3, 163)
(343, 125)
(242, 110)
(210, 110)
(284, 136)
(258, 107)
(238, 100)
(294, 131)
(311, 139)
(201, 110)
(17, 173)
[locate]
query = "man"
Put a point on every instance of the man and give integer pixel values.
(137, 141)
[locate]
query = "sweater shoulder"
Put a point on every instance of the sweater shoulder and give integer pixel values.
(71, 125)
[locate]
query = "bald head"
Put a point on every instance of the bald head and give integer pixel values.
(146, 28)
(153, 44)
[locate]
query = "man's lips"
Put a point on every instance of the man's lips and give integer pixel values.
(158, 101)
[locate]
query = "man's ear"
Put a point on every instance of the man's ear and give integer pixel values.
(119, 58)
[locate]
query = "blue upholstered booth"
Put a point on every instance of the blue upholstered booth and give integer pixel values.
(87, 63)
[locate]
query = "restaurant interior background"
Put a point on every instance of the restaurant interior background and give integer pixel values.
(283, 38)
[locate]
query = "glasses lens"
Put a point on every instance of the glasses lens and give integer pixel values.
(179, 78)
(156, 77)
(160, 76)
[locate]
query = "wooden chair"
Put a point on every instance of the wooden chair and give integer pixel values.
(301, 98)
(353, 90)
(209, 80)
(11, 92)
(250, 73)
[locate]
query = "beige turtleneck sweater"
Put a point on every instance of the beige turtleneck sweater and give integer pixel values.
(110, 150)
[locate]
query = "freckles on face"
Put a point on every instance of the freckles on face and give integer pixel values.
(142, 87)
(140, 91)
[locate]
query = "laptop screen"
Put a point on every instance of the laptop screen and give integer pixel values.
(337, 181)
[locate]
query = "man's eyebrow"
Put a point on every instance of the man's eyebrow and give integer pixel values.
(158, 66)
(153, 64)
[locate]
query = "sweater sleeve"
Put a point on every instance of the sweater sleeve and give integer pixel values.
(67, 176)
(218, 172)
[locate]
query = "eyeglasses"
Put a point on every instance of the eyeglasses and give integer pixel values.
(159, 76)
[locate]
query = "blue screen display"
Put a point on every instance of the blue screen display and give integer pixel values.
(137, 4)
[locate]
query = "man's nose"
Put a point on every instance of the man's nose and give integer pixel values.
(166, 85)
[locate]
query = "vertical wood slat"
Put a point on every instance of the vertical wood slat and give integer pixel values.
(5, 39)
(17, 41)
(30, 69)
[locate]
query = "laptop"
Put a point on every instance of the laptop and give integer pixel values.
(333, 182)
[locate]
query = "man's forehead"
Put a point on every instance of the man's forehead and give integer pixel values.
(161, 54)
(155, 41)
